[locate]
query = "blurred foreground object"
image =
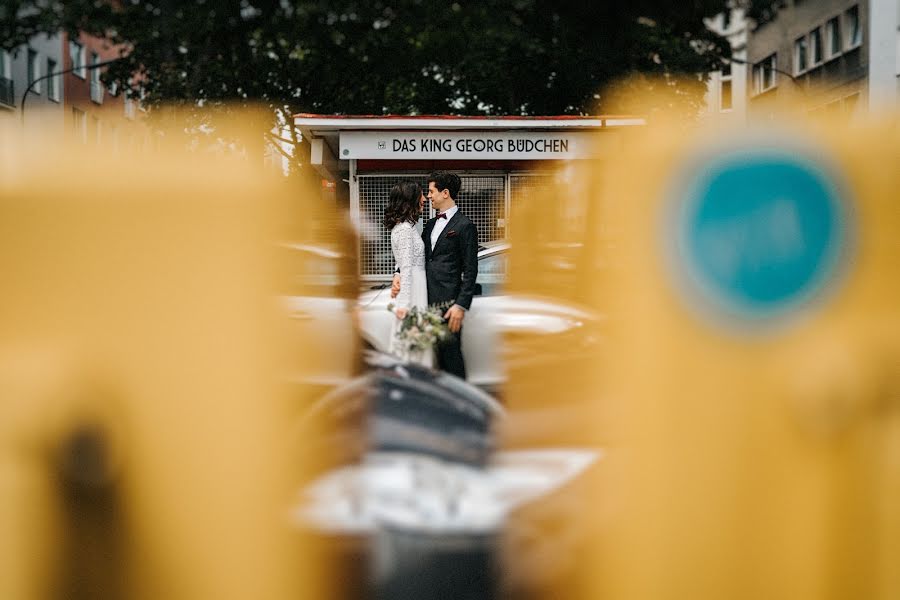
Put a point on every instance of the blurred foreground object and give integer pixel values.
(389, 513)
(420, 500)
(752, 372)
(746, 385)
(143, 405)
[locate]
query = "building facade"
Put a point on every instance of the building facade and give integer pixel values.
(834, 57)
(813, 55)
(884, 55)
(24, 66)
(74, 103)
(500, 160)
(95, 114)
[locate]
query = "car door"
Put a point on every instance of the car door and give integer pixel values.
(481, 340)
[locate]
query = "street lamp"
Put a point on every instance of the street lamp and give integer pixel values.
(57, 74)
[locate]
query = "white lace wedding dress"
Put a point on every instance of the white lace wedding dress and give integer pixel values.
(409, 255)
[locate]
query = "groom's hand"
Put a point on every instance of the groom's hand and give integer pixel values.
(454, 318)
(395, 285)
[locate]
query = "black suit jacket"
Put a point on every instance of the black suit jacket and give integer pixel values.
(452, 267)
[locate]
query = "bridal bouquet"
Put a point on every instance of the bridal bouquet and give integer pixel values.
(422, 328)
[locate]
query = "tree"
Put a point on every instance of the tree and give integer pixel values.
(522, 57)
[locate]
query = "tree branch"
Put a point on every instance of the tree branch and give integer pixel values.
(278, 137)
(278, 146)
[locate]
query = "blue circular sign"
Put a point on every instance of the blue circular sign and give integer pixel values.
(760, 231)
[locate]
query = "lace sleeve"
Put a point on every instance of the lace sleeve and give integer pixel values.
(402, 242)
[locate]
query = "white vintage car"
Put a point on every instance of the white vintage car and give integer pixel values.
(492, 315)
(319, 304)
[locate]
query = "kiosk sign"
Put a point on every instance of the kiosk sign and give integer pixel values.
(758, 232)
(461, 145)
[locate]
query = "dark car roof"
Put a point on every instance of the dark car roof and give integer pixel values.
(410, 408)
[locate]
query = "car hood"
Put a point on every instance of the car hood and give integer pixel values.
(536, 315)
(370, 298)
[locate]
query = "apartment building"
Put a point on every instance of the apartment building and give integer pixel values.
(813, 54)
(27, 66)
(74, 102)
(94, 113)
(839, 57)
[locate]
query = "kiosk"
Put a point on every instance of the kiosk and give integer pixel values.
(499, 159)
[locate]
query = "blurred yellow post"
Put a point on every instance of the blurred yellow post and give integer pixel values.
(746, 386)
(754, 343)
(143, 410)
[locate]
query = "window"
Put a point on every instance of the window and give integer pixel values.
(5, 65)
(852, 27)
(764, 74)
(850, 103)
(726, 101)
(96, 87)
(34, 71)
(815, 45)
(492, 272)
(76, 51)
(52, 82)
(726, 94)
(800, 61)
(833, 37)
(79, 125)
(7, 89)
(725, 98)
(840, 109)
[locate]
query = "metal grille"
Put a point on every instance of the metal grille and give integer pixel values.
(482, 199)
(527, 185)
(376, 260)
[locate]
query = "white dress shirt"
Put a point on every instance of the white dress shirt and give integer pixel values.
(440, 224)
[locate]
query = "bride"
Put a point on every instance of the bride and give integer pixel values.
(400, 216)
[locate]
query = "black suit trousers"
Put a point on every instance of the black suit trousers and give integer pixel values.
(449, 355)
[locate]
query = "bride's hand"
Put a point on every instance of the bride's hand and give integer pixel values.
(401, 313)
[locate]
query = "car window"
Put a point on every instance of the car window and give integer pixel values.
(492, 272)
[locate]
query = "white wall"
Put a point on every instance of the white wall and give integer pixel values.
(884, 46)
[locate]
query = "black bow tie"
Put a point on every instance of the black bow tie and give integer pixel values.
(442, 215)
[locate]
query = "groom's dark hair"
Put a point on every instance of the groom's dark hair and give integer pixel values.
(444, 180)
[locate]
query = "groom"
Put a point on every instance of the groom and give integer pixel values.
(451, 265)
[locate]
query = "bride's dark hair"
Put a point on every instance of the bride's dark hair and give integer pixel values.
(403, 204)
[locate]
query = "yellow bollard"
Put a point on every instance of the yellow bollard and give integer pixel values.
(750, 366)
(144, 416)
(745, 385)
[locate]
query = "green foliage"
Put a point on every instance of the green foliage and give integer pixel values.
(389, 56)
(762, 11)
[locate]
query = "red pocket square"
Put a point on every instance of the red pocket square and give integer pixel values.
(451, 233)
